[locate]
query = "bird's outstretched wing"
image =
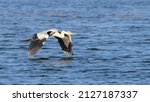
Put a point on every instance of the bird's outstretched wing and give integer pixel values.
(35, 45)
(66, 44)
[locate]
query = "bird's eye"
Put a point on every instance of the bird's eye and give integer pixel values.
(66, 35)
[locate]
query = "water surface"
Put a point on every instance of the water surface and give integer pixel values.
(111, 45)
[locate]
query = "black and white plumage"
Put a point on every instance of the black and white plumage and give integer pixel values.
(38, 40)
(66, 42)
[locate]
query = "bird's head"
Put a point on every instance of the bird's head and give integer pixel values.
(67, 33)
(60, 34)
(52, 32)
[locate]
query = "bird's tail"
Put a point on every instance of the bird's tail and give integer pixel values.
(27, 39)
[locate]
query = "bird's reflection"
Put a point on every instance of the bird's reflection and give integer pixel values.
(66, 59)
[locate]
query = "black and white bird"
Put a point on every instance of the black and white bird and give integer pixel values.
(38, 40)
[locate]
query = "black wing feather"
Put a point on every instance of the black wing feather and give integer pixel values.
(65, 45)
(35, 45)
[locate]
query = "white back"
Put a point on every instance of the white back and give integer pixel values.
(43, 34)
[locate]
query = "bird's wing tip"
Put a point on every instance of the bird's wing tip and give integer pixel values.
(27, 39)
(29, 55)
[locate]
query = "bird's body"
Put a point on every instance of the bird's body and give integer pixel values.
(38, 40)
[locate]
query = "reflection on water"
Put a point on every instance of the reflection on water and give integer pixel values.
(111, 45)
(38, 59)
(67, 59)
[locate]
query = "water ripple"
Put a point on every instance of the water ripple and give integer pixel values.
(111, 42)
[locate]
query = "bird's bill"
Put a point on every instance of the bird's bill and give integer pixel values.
(70, 33)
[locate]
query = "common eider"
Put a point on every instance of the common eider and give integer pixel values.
(38, 40)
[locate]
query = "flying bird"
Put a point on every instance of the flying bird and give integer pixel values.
(38, 40)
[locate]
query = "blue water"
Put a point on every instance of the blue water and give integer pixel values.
(111, 42)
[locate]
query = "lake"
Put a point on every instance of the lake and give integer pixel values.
(111, 42)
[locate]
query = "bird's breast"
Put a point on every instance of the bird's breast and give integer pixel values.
(42, 36)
